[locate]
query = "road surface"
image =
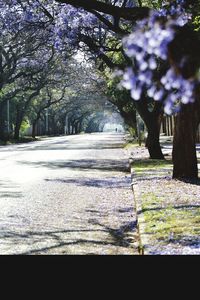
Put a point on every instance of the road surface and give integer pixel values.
(67, 195)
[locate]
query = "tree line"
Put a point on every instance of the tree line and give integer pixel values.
(51, 32)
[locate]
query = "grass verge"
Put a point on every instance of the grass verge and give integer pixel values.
(170, 208)
(20, 141)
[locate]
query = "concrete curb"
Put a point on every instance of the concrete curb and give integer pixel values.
(143, 237)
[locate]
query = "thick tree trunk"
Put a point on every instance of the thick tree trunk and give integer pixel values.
(153, 143)
(153, 124)
(184, 144)
(152, 120)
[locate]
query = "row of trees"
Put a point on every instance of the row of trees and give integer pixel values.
(59, 95)
(29, 68)
(36, 78)
(178, 51)
(39, 37)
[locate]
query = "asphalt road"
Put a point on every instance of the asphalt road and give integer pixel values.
(67, 195)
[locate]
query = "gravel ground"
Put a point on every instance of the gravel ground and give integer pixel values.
(176, 202)
(67, 195)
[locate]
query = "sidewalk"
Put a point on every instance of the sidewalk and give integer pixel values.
(168, 211)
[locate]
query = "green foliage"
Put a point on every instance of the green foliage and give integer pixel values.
(152, 4)
(196, 23)
(24, 126)
(132, 131)
(113, 91)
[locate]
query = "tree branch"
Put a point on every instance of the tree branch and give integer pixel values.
(131, 14)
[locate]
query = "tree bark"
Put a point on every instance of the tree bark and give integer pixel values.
(184, 144)
(3, 135)
(2, 128)
(17, 129)
(152, 120)
(76, 128)
(19, 118)
(153, 137)
(132, 14)
(34, 129)
(129, 118)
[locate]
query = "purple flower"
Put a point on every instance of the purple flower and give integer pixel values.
(148, 45)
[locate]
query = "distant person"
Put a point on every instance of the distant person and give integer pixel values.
(116, 129)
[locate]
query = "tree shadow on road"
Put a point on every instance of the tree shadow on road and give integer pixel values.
(68, 146)
(9, 190)
(119, 234)
(95, 238)
(83, 164)
(53, 238)
(108, 183)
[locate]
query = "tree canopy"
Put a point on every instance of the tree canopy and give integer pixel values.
(154, 45)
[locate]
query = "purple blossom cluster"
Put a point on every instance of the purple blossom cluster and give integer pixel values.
(69, 23)
(148, 47)
(15, 15)
(26, 40)
(64, 27)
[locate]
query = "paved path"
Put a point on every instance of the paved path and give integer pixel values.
(67, 195)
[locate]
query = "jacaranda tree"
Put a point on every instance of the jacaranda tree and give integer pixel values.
(163, 49)
(161, 53)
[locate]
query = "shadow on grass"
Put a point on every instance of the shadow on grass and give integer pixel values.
(163, 208)
(187, 241)
(150, 169)
(177, 224)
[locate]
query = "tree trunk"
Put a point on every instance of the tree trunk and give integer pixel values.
(73, 128)
(16, 133)
(18, 123)
(3, 131)
(152, 120)
(153, 143)
(68, 127)
(184, 144)
(34, 129)
(17, 129)
(76, 128)
(153, 124)
(80, 126)
(129, 118)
